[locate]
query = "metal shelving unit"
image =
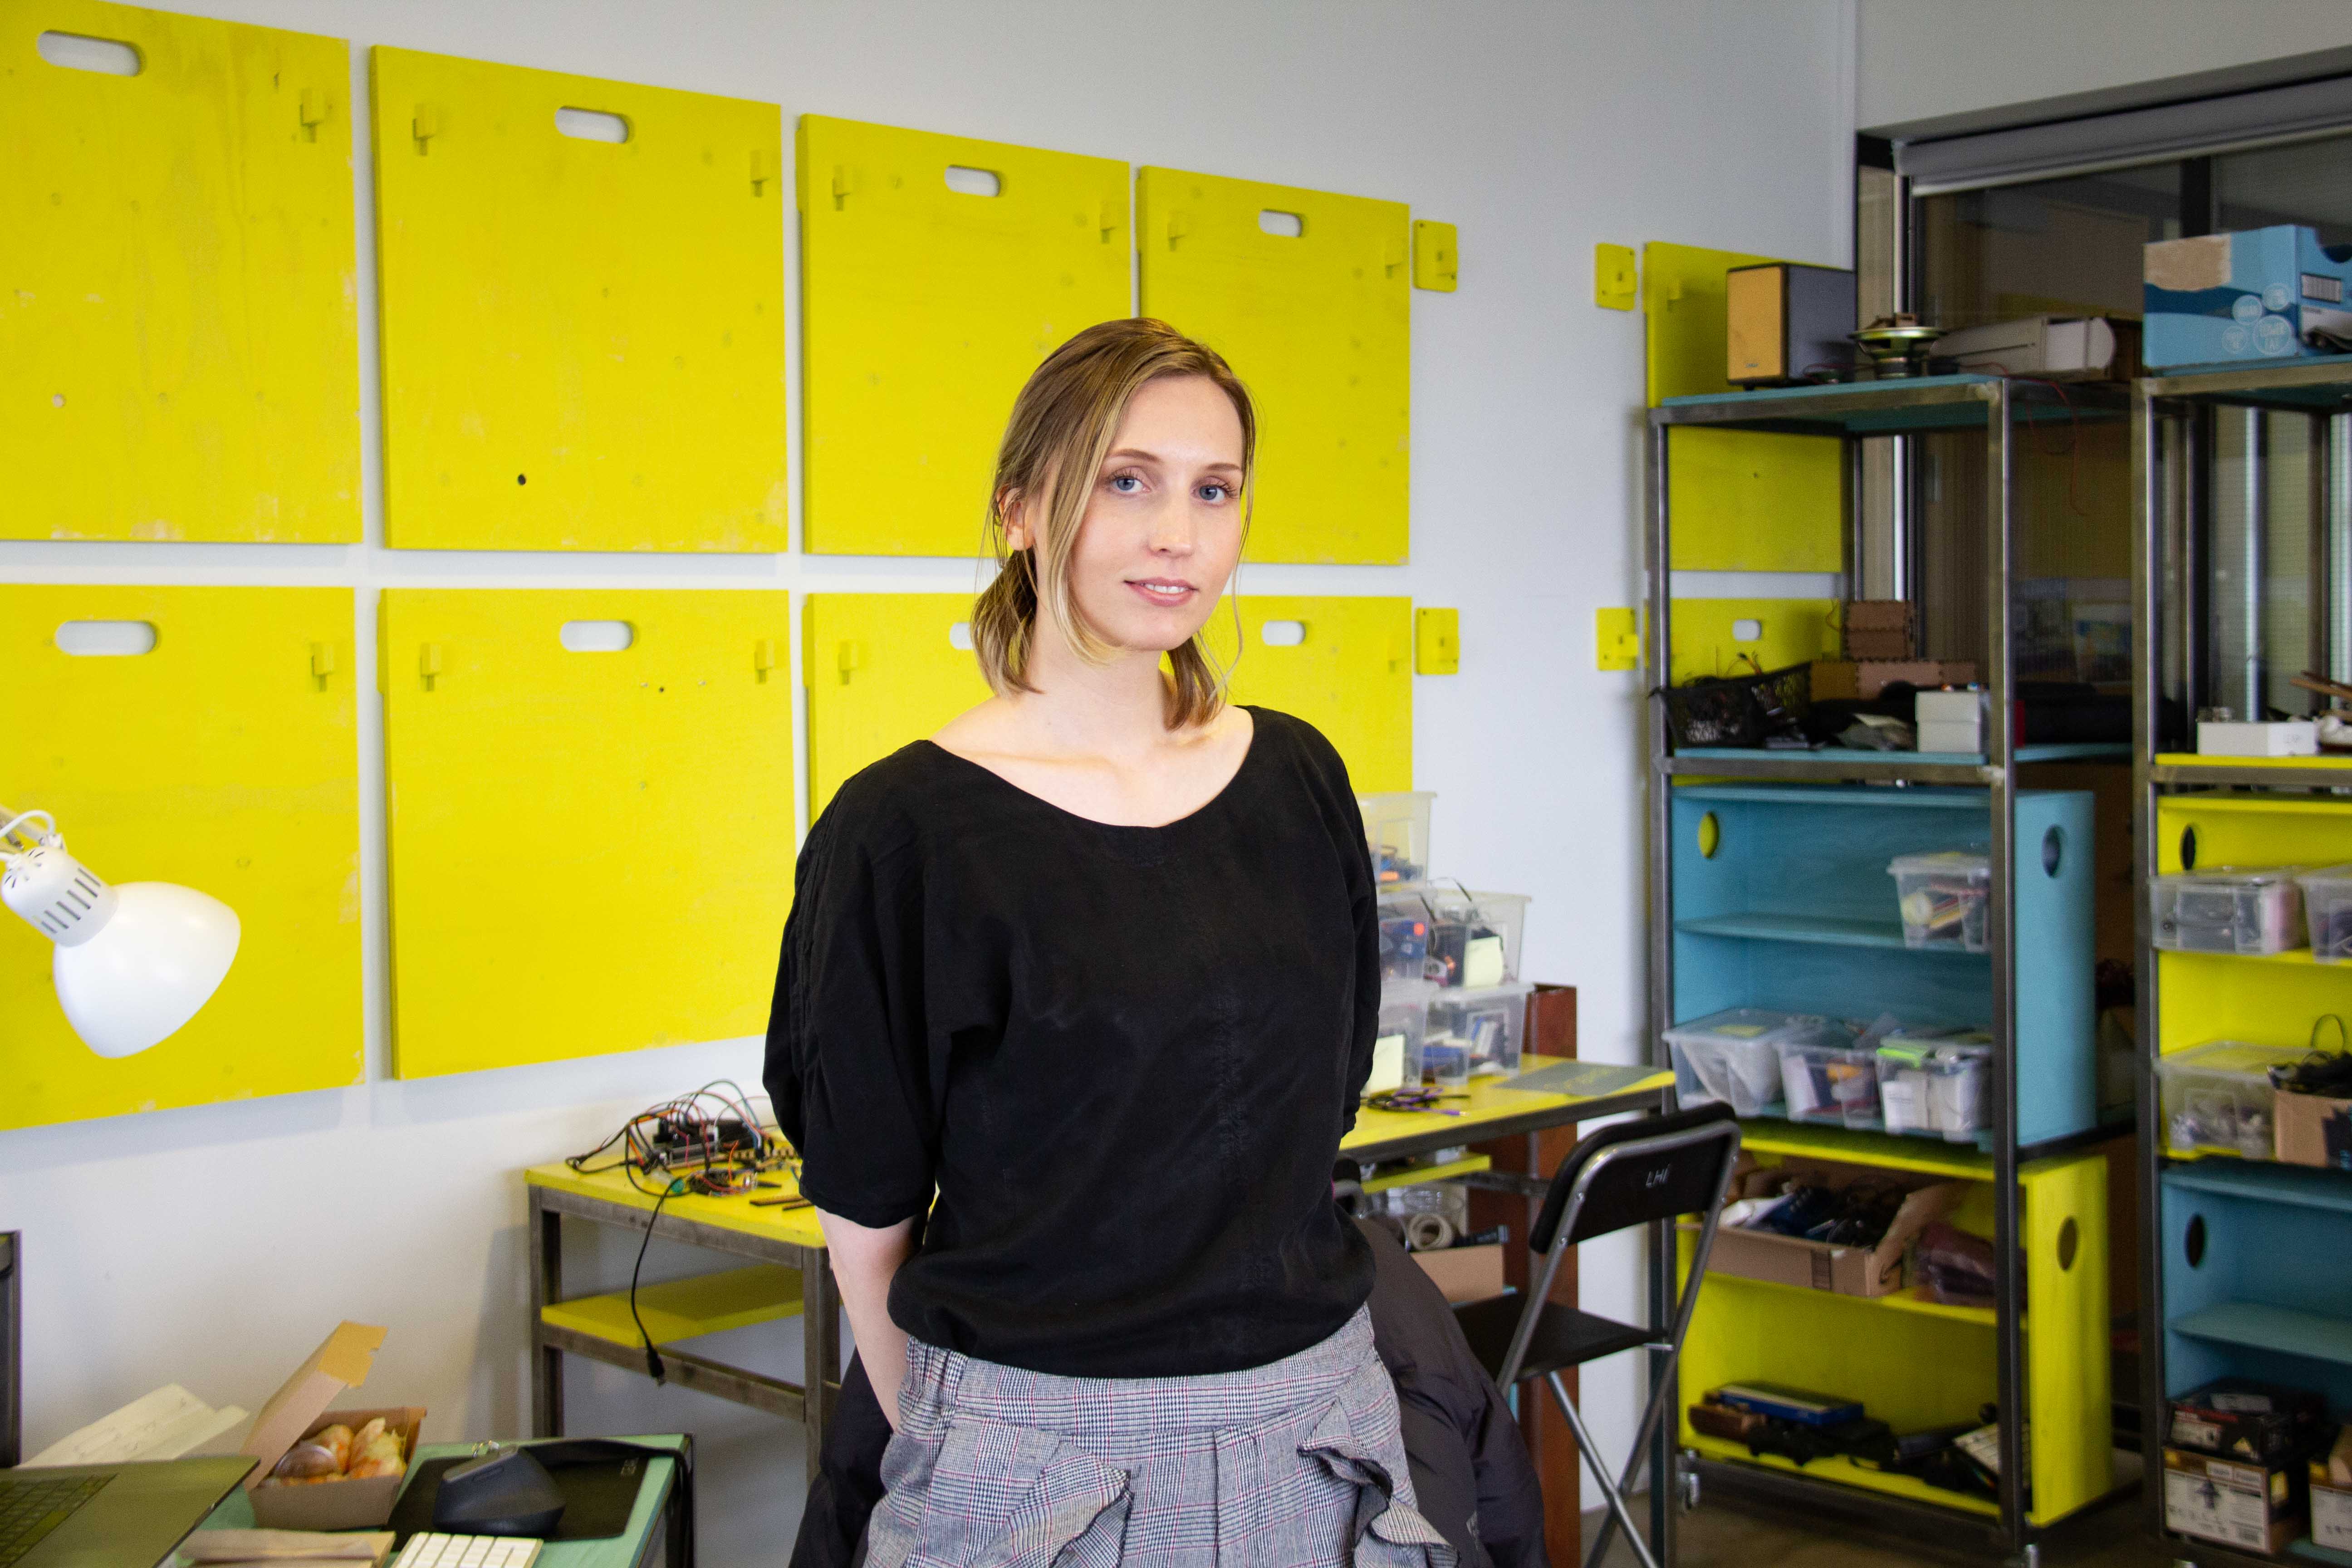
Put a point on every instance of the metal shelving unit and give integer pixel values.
(2005, 411)
(2171, 571)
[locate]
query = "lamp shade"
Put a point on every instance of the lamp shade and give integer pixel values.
(133, 962)
(158, 960)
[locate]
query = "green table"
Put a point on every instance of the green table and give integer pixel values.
(660, 1499)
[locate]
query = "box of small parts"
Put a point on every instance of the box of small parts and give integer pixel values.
(2238, 1419)
(1876, 1268)
(314, 1469)
(2217, 1097)
(2255, 294)
(2253, 1507)
(2331, 1495)
(2228, 909)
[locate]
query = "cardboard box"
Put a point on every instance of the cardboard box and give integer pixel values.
(1851, 681)
(2331, 1495)
(1464, 1273)
(2238, 1419)
(1820, 1266)
(1879, 616)
(299, 1409)
(2314, 1130)
(2254, 1508)
(1869, 645)
(2281, 738)
(2256, 294)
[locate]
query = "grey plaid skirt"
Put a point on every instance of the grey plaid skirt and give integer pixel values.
(1297, 1464)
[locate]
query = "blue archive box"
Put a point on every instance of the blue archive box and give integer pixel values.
(2257, 294)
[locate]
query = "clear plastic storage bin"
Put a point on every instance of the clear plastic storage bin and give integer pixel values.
(1471, 939)
(1396, 1048)
(1482, 1029)
(1936, 1082)
(2217, 1097)
(2229, 910)
(2327, 912)
(1732, 1056)
(1396, 830)
(1942, 897)
(1830, 1082)
(1404, 938)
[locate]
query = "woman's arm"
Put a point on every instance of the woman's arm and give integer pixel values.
(864, 1262)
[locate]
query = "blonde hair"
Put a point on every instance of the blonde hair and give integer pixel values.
(1062, 427)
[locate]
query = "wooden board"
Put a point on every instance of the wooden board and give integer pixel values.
(583, 341)
(590, 851)
(218, 761)
(178, 285)
(923, 311)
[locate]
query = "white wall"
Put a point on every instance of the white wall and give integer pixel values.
(1921, 59)
(214, 1246)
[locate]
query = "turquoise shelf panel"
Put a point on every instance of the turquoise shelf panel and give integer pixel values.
(2295, 1184)
(2254, 1277)
(2257, 1327)
(1795, 910)
(1887, 407)
(1840, 759)
(1807, 927)
(2318, 1554)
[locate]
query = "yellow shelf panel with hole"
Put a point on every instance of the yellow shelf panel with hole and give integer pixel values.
(684, 1308)
(557, 814)
(2252, 831)
(1350, 675)
(923, 310)
(883, 671)
(179, 323)
(1744, 501)
(1317, 323)
(583, 341)
(225, 759)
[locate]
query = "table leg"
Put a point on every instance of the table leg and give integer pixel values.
(546, 1242)
(1664, 1380)
(819, 1349)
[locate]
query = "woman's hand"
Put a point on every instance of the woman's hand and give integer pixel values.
(864, 1262)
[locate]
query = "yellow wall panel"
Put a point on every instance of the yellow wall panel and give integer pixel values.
(882, 672)
(583, 341)
(924, 309)
(219, 761)
(624, 816)
(2067, 1332)
(1706, 641)
(1318, 324)
(1742, 502)
(1351, 676)
(178, 317)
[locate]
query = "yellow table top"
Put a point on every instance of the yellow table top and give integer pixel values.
(795, 1227)
(1490, 1100)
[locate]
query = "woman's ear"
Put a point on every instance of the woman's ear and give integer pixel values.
(1016, 526)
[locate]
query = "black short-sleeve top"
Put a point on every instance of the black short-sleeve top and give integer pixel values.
(1123, 1058)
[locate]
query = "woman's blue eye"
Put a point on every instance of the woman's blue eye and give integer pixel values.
(1120, 481)
(1215, 493)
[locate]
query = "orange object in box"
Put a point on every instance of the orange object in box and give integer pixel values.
(299, 1410)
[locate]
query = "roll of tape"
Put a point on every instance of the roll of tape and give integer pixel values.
(1428, 1232)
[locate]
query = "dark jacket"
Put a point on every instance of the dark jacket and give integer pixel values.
(1471, 1475)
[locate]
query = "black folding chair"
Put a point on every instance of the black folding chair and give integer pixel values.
(1628, 1173)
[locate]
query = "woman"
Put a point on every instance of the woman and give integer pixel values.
(1076, 1002)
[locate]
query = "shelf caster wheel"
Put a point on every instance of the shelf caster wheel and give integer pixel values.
(1687, 1481)
(2029, 1556)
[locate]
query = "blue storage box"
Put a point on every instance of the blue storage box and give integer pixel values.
(2257, 294)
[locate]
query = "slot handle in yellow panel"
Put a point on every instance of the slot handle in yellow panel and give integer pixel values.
(428, 663)
(423, 125)
(763, 657)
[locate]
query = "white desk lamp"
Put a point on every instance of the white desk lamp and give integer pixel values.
(133, 962)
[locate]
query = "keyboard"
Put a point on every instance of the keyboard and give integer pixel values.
(435, 1550)
(30, 1510)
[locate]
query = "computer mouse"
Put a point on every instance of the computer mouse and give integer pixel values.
(504, 1492)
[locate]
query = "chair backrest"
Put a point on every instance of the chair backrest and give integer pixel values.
(1638, 1172)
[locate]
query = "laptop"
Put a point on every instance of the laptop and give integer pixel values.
(91, 1516)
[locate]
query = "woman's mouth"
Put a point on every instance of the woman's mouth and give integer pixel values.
(1162, 591)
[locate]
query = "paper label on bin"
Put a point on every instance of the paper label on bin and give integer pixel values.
(1742, 1031)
